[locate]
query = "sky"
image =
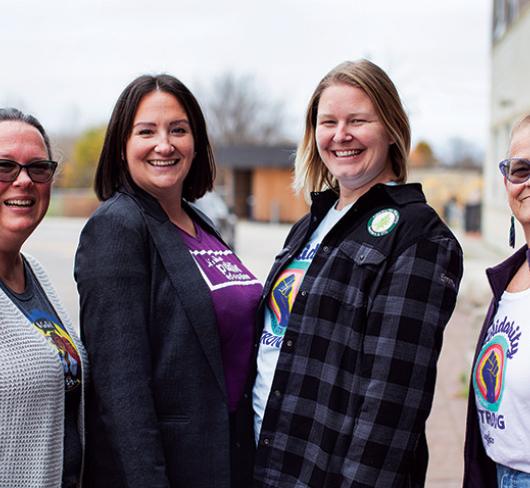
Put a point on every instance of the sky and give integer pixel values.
(66, 61)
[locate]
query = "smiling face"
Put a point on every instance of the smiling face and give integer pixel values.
(23, 203)
(519, 194)
(351, 140)
(160, 149)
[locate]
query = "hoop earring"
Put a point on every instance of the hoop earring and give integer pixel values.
(512, 231)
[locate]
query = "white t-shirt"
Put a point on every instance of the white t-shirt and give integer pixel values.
(277, 312)
(501, 380)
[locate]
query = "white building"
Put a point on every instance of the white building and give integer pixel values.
(510, 99)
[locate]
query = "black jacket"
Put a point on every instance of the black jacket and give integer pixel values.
(355, 378)
(157, 413)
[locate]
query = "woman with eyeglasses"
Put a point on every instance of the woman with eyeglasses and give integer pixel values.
(498, 434)
(42, 362)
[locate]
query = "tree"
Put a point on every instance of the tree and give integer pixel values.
(80, 170)
(239, 113)
(422, 155)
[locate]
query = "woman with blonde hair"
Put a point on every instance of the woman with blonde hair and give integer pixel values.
(356, 301)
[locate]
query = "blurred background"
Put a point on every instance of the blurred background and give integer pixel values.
(461, 68)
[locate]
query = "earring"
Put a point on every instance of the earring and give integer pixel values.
(512, 231)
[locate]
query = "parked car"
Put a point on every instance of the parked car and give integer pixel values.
(224, 220)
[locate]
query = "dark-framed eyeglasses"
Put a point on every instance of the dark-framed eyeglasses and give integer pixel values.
(38, 171)
(515, 170)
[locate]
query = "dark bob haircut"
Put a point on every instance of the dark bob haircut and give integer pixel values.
(112, 171)
(15, 115)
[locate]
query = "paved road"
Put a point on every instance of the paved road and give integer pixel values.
(55, 241)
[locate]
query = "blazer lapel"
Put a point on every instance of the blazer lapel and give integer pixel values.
(191, 289)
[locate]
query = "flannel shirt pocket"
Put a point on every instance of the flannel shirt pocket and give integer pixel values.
(353, 267)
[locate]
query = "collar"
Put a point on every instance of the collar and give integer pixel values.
(152, 207)
(400, 194)
(499, 276)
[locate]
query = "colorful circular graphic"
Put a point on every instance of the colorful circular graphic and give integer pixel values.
(489, 372)
(383, 222)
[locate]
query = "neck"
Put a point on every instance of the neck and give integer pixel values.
(349, 195)
(12, 270)
(526, 229)
(179, 217)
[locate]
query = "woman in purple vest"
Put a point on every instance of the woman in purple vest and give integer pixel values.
(497, 451)
(167, 309)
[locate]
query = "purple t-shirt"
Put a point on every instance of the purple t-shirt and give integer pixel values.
(235, 293)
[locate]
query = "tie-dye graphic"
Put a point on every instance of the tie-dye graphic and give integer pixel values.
(488, 376)
(282, 296)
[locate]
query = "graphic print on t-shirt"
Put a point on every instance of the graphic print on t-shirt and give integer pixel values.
(221, 268)
(49, 327)
(283, 294)
(501, 345)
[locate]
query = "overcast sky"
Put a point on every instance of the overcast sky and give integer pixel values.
(67, 61)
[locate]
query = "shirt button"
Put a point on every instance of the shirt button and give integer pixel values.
(314, 218)
(289, 343)
(325, 249)
(303, 293)
(266, 441)
(245, 396)
(277, 393)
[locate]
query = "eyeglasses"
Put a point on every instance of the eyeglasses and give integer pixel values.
(38, 171)
(515, 170)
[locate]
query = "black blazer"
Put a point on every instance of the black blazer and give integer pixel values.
(157, 412)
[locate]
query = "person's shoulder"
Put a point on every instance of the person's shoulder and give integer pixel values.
(118, 215)
(417, 217)
(121, 204)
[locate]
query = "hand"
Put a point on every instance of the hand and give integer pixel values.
(489, 375)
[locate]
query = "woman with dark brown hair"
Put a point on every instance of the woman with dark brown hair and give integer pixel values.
(167, 309)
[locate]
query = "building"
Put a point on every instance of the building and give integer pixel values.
(256, 182)
(510, 99)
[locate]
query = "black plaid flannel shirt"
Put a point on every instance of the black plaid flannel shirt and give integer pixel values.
(355, 378)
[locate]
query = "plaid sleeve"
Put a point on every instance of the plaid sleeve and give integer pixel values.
(403, 338)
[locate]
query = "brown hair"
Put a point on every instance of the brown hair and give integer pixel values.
(112, 171)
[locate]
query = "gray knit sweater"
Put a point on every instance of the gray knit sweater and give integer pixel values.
(32, 396)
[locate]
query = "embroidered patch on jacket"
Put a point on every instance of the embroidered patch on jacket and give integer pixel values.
(383, 222)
